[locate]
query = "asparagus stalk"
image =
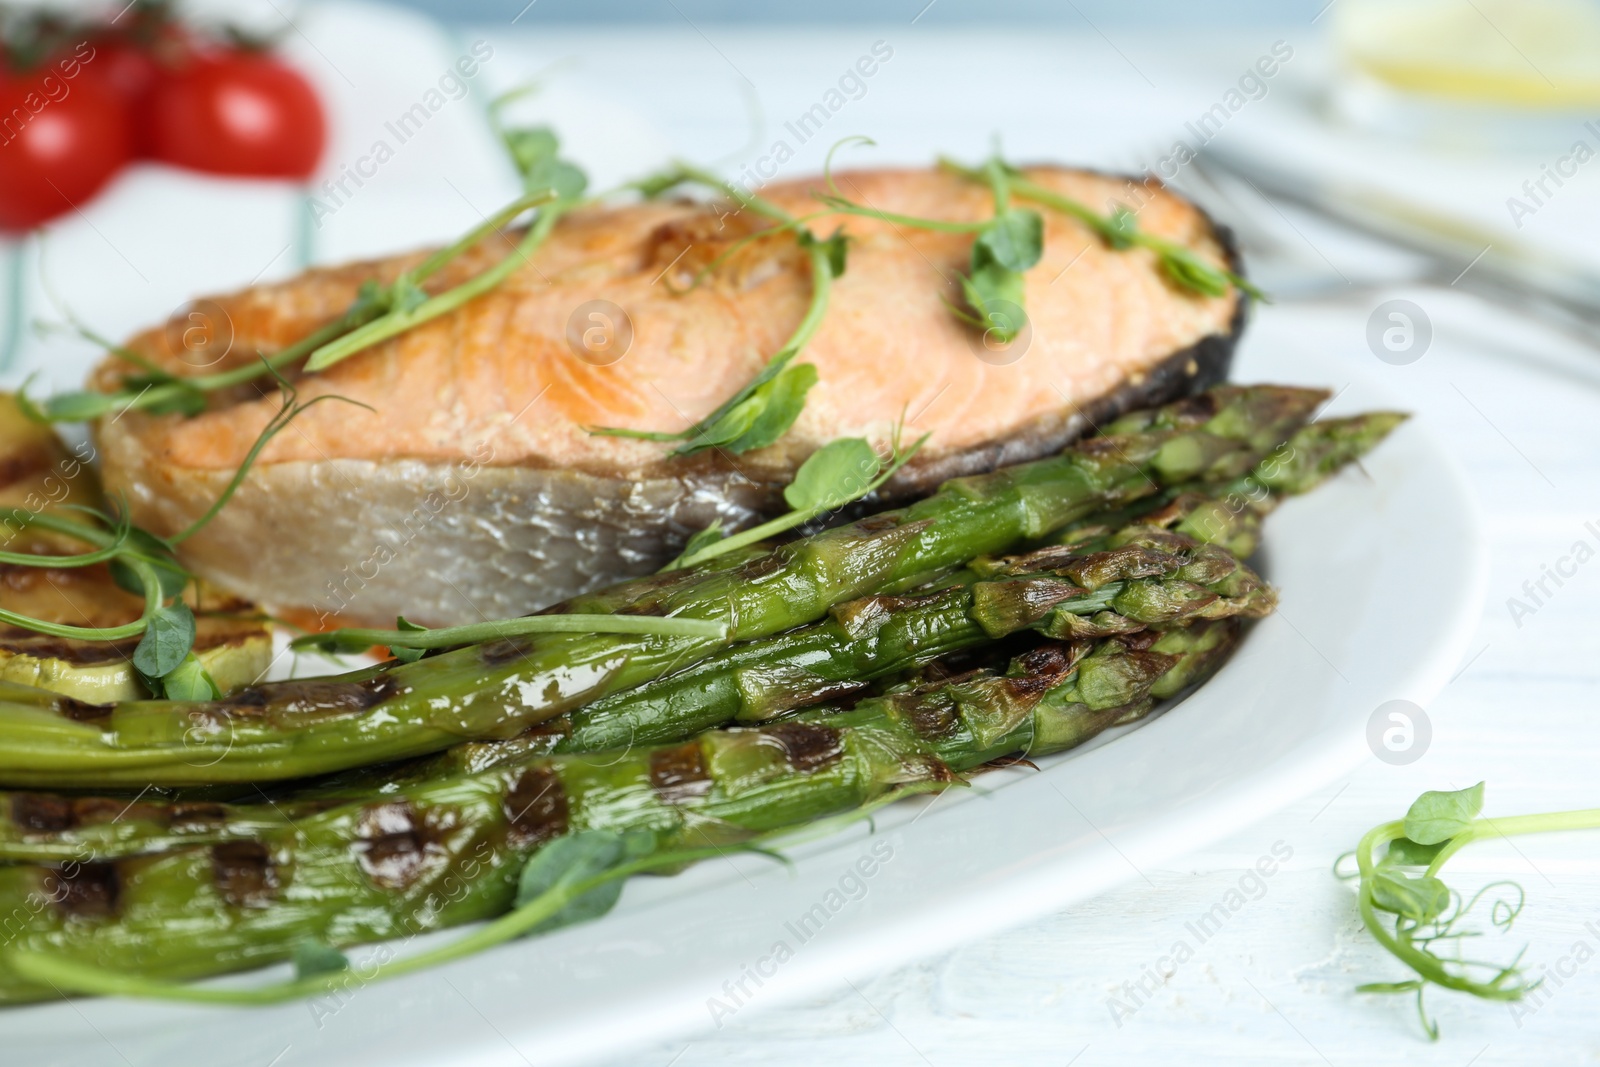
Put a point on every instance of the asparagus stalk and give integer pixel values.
(497, 690)
(1142, 577)
(1229, 516)
(448, 852)
(1087, 594)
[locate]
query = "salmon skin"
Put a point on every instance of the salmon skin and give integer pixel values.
(473, 490)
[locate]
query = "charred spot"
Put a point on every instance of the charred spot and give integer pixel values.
(807, 746)
(244, 872)
(313, 694)
(196, 813)
(688, 244)
(867, 614)
(86, 890)
(1193, 410)
(930, 717)
(82, 710)
(679, 773)
(1001, 762)
(1043, 559)
(1138, 642)
(536, 807)
(392, 844)
(503, 650)
(89, 810)
(78, 653)
(1046, 665)
(42, 813)
(877, 523)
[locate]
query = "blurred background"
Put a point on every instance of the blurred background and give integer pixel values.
(279, 135)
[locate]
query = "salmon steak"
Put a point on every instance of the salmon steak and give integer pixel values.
(470, 487)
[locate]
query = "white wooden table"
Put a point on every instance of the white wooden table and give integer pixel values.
(1520, 406)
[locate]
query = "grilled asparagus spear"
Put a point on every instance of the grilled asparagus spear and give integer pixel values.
(1145, 577)
(447, 852)
(497, 690)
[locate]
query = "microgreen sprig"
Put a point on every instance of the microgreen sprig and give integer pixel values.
(1119, 229)
(1003, 248)
(1426, 912)
(146, 564)
(378, 312)
(764, 409)
(408, 636)
(831, 477)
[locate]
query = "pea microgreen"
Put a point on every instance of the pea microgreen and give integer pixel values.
(764, 409)
(1410, 912)
(1003, 247)
(408, 640)
(1119, 229)
(839, 472)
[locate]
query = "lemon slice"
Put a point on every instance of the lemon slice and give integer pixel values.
(1537, 54)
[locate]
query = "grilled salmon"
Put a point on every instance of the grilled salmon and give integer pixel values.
(472, 489)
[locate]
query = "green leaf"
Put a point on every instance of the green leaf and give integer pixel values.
(406, 295)
(781, 401)
(995, 295)
(709, 536)
(1437, 816)
(312, 958)
(190, 681)
(1405, 852)
(371, 297)
(574, 858)
(833, 475)
(1015, 239)
(1419, 899)
(534, 154)
(166, 642)
(172, 575)
(407, 655)
(834, 247)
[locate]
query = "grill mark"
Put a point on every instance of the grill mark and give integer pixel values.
(42, 813)
(679, 773)
(1138, 642)
(808, 746)
(81, 710)
(929, 718)
(392, 846)
(1043, 668)
(536, 807)
(504, 650)
(865, 616)
(314, 695)
(86, 653)
(196, 813)
(87, 890)
(244, 873)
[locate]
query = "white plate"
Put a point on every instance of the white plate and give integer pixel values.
(1376, 606)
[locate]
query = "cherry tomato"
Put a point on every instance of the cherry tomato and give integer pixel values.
(237, 112)
(61, 138)
(128, 72)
